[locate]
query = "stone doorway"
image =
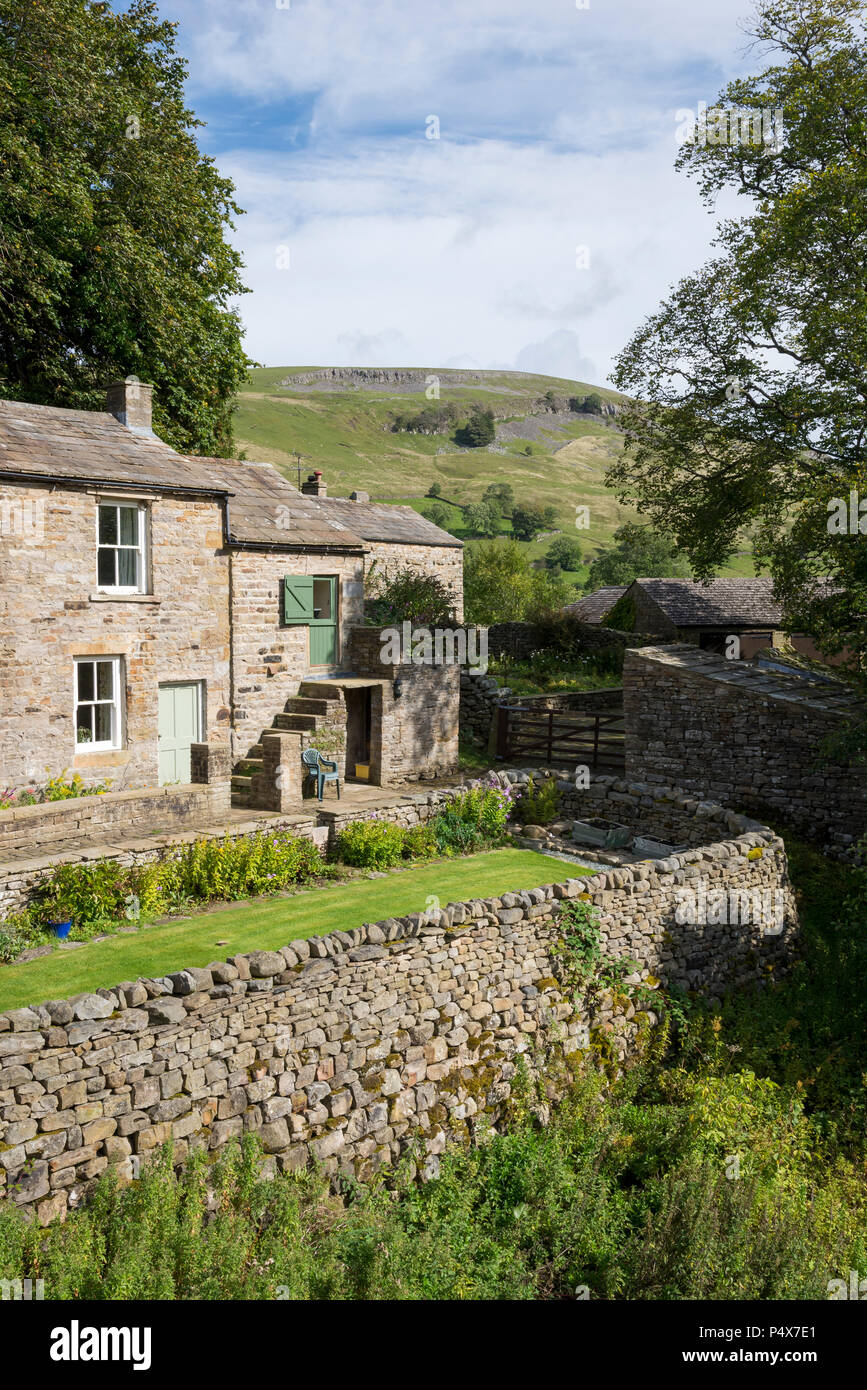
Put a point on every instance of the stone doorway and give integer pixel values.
(358, 733)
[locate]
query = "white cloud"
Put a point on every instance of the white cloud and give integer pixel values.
(429, 260)
(557, 130)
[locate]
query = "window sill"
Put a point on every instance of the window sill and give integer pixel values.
(109, 757)
(124, 598)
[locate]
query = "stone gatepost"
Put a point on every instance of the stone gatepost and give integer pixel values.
(281, 779)
(211, 763)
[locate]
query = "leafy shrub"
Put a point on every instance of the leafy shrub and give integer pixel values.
(537, 805)
(106, 893)
(371, 844)
(19, 932)
(453, 834)
(472, 818)
(86, 894)
(250, 866)
(579, 950)
(408, 597)
(420, 842)
(500, 585)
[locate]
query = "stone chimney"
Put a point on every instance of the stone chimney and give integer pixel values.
(130, 402)
(315, 485)
(359, 496)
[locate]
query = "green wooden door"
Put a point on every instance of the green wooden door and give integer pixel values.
(179, 726)
(323, 624)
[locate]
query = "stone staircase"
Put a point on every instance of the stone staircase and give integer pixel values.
(313, 708)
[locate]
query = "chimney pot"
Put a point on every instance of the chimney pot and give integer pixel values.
(315, 485)
(130, 402)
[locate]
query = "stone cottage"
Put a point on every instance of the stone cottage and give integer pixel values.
(161, 615)
(708, 615)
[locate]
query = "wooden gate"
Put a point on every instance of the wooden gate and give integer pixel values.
(553, 735)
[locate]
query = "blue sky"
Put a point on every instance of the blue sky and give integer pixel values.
(368, 243)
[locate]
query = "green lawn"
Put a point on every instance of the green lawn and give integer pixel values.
(269, 923)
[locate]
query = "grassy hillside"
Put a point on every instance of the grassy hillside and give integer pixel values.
(343, 427)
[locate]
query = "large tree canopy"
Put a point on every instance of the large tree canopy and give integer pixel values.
(637, 553)
(113, 253)
(750, 382)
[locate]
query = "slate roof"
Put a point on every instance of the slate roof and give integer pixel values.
(592, 608)
(722, 602)
(797, 687)
(91, 446)
(381, 521)
(265, 509)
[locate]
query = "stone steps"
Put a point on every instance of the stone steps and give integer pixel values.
(301, 715)
(301, 704)
(301, 723)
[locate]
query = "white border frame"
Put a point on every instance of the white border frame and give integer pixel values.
(143, 550)
(118, 706)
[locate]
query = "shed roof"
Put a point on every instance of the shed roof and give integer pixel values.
(722, 602)
(592, 608)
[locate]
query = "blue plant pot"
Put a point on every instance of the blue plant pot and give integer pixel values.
(61, 929)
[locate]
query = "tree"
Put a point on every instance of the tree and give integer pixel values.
(503, 494)
(528, 520)
(438, 514)
(564, 553)
(501, 586)
(592, 404)
(483, 518)
(749, 401)
(435, 490)
(113, 252)
(479, 430)
(637, 553)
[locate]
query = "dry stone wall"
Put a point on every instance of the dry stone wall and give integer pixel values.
(746, 736)
(352, 1048)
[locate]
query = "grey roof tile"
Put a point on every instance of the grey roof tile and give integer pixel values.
(689, 603)
(592, 608)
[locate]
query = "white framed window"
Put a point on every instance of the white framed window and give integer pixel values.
(121, 560)
(98, 710)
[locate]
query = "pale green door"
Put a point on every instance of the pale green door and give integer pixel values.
(323, 624)
(179, 726)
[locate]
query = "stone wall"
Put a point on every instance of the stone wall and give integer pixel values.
(416, 734)
(521, 640)
(742, 735)
(51, 613)
(353, 1047)
(40, 828)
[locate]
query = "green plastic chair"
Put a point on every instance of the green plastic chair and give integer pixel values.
(316, 767)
